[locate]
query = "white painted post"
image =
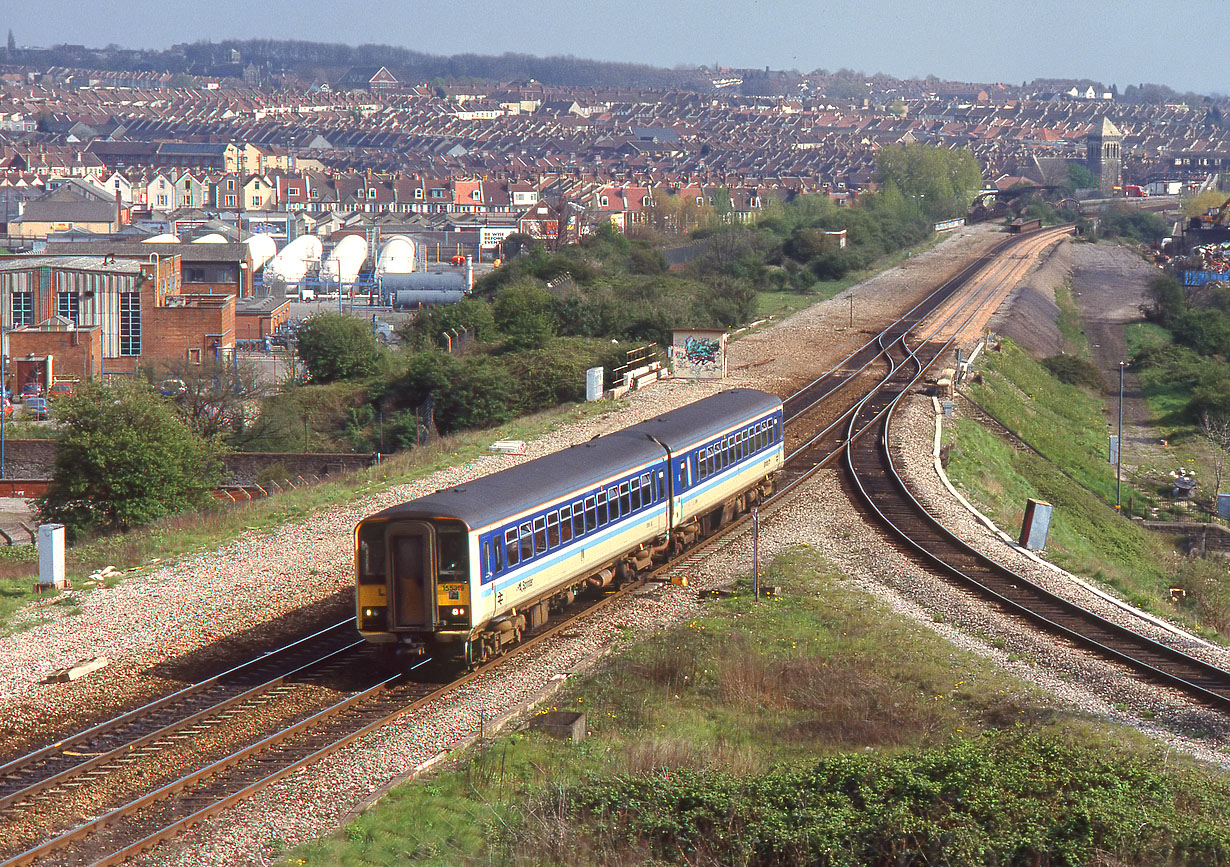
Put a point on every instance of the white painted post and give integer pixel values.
(51, 555)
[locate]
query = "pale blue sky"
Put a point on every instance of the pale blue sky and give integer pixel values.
(1115, 41)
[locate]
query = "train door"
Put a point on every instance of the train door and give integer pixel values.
(681, 479)
(411, 560)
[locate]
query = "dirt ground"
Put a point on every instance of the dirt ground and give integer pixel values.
(1109, 284)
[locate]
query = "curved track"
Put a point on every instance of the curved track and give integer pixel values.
(873, 475)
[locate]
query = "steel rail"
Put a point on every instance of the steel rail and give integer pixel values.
(1015, 592)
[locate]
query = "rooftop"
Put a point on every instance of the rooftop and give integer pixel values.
(100, 264)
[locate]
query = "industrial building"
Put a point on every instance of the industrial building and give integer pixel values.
(87, 317)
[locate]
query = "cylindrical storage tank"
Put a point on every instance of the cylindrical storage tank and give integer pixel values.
(295, 259)
(261, 248)
(396, 256)
(164, 238)
(418, 288)
(345, 261)
(211, 238)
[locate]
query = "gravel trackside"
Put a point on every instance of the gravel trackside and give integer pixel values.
(156, 617)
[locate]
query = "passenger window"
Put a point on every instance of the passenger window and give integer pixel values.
(706, 463)
(612, 501)
(527, 542)
(591, 514)
(514, 549)
(661, 485)
(730, 451)
(602, 508)
(553, 530)
(578, 518)
(565, 524)
(635, 486)
(540, 535)
(497, 555)
(625, 499)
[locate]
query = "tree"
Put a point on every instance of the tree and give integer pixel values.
(1080, 178)
(334, 347)
(216, 393)
(12, 43)
(125, 459)
(942, 181)
(1215, 428)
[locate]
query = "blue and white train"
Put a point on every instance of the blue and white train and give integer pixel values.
(476, 565)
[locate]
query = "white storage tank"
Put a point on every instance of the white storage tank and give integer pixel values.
(164, 238)
(261, 248)
(397, 256)
(211, 238)
(295, 260)
(345, 261)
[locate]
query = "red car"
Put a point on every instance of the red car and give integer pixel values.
(458, 260)
(6, 407)
(64, 388)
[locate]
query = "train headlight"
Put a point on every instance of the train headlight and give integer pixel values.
(367, 612)
(458, 612)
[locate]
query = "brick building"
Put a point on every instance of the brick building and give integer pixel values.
(91, 316)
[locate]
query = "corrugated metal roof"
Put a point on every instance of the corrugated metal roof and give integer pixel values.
(72, 263)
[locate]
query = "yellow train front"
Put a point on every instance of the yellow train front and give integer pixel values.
(466, 570)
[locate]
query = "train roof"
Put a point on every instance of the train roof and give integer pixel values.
(706, 418)
(523, 488)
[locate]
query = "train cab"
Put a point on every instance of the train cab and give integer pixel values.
(413, 580)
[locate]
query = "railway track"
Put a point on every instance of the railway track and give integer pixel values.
(117, 831)
(885, 496)
(123, 830)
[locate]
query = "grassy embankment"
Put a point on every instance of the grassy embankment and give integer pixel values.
(818, 728)
(1068, 426)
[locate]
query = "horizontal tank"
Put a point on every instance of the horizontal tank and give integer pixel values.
(396, 256)
(295, 260)
(211, 238)
(422, 288)
(164, 238)
(261, 248)
(344, 262)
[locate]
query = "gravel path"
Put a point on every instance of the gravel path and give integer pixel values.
(183, 608)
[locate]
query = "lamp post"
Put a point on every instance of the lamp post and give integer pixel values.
(1119, 453)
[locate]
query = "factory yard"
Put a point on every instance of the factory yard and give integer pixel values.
(168, 624)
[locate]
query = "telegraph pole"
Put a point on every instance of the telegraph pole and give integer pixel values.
(1119, 452)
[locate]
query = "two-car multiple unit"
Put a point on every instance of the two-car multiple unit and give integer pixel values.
(477, 564)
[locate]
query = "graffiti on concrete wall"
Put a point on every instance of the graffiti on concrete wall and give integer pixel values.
(700, 355)
(701, 351)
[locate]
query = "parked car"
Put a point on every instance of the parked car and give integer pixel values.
(172, 387)
(30, 389)
(63, 388)
(36, 408)
(6, 407)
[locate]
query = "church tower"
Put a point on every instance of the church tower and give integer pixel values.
(1103, 154)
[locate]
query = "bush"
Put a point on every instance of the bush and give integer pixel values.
(335, 347)
(523, 314)
(1006, 798)
(125, 459)
(1071, 370)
